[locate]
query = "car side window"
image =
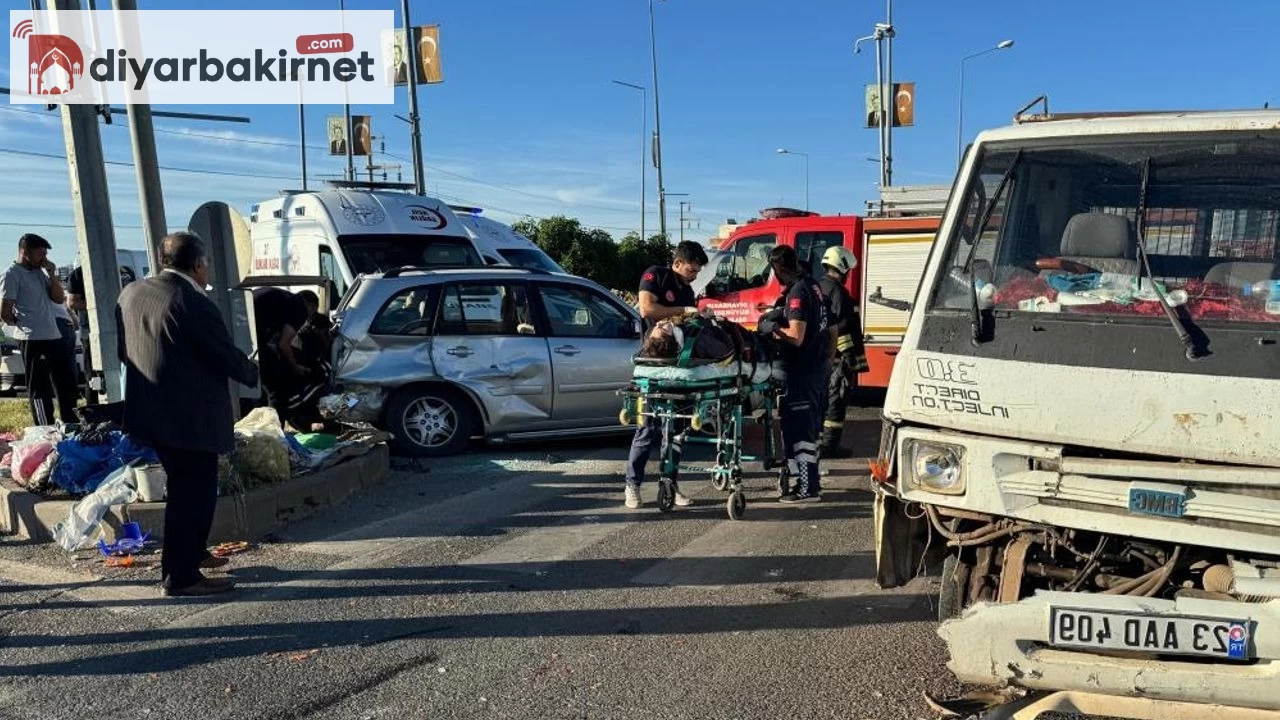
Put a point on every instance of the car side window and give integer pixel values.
(811, 245)
(582, 312)
(485, 309)
(751, 262)
(408, 312)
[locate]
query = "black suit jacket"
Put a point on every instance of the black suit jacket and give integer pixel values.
(178, 357)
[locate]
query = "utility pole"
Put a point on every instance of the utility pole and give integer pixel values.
(350, 173)
(95, 235)
(143, 138)
(888, 102)
(683, 205)
(302, 134)
(415, 122)
(657, 128)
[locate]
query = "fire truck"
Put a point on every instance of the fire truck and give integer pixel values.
(891, 241)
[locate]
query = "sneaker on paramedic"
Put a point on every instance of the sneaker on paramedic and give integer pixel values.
(796, 498)
(682, 500)
(632, 495)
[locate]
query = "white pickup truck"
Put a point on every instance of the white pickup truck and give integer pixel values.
(1083, 425)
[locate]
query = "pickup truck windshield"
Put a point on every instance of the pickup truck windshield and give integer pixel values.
(1062, 237)
(379, 253)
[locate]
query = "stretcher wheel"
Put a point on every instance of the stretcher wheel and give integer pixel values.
(624, 417)
(736, 505)
(666, 496)
(720, 480)
(695, 422)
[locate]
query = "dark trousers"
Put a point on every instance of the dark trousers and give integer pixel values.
(802, 408)
(48, 366)
(68, 330)
(188, 513)
(642, 446)
(837, 404)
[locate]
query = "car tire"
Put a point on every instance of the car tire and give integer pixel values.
(433, 421)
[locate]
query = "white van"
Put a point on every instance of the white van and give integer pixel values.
(500, 245)
(341, 233)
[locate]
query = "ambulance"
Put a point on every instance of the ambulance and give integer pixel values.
(343, 232)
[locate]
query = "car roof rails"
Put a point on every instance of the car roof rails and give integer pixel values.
(397, 272)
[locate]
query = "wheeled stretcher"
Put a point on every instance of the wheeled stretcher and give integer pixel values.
(706, 404)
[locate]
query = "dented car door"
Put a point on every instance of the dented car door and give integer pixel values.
(486, 341)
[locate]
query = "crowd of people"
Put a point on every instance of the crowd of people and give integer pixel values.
(178, 358)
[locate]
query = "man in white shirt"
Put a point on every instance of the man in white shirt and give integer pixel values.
(30, 290)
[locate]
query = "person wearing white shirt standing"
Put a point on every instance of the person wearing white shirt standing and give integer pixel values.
(31, 290)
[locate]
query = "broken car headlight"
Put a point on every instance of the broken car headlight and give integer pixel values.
(936, 468)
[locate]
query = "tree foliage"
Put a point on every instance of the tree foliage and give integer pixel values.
(592, 253)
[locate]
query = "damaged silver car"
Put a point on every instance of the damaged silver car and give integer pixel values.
(437, 357)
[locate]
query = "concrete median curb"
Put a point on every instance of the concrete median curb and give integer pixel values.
(248, 517)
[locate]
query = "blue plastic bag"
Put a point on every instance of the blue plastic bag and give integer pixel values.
(81, 468)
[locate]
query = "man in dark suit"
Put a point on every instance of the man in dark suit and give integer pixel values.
(178, 358)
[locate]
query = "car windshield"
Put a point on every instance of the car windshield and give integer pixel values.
(379, 253)
(1064, 235)
(530, 259)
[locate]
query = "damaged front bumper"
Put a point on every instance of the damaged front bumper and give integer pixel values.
(1009, 644)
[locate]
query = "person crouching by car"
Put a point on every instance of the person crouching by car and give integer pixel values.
(805, 344)
(665, 292)
(311, 351)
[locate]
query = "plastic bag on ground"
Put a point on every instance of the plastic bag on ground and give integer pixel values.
(31, 450)
(76, 531)
(261, 452)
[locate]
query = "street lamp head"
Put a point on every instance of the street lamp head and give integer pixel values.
(1004, 45)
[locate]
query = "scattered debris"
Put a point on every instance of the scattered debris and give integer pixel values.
(230, 548)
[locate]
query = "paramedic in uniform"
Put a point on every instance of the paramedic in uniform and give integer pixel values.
(849, 355)
(802, 330)
(665, 292)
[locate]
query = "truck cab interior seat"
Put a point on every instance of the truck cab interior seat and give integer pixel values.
(1103, 241)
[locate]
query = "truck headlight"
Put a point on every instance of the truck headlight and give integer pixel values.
(936, 468)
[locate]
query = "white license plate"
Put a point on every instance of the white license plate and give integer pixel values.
(1163, 634)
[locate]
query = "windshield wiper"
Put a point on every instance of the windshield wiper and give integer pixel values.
(1184, 335)
(981, 226)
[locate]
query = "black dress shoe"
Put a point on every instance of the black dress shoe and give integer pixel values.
(204, 586)
(213, 562)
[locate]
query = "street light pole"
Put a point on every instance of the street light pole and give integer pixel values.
(657, 128)
(1002, 45)
(644, 131)
(805, 155)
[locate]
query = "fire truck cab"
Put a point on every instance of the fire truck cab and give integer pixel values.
(891, 244)
(742, 287)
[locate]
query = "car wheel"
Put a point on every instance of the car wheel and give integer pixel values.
(431, 421)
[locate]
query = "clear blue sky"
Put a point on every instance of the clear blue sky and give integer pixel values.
(527, 122)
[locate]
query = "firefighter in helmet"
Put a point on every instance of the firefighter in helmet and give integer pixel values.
(848, 354)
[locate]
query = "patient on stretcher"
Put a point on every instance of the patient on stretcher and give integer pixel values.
(694, 339)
